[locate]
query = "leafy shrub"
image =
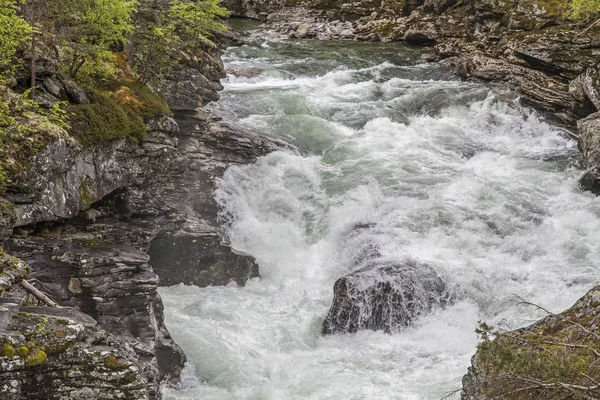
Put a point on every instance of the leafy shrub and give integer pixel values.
(585, 9)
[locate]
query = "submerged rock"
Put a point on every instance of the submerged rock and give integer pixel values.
(384, 296)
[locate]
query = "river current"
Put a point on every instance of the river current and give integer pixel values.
(456, 175)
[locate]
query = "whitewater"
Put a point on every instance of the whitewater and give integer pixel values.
(457, 175)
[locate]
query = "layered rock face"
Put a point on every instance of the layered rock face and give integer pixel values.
(97, 228)
(384, 296)
(51, 353)
(531, 46)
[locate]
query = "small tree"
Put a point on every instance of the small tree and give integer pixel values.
(91, 27)
(184, 25)
(83, 30)
(14, 31)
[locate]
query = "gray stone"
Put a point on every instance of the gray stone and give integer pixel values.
(384, 296)
(52, 353)
(589, 141)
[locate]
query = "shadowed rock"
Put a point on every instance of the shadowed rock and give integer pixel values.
(589, 129)
(384, 296)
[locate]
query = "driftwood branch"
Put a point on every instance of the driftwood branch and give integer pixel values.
(587, 29)
(38, 294)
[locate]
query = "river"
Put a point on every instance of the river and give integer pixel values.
(456, 175)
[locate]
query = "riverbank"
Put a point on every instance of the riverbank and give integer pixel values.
(106, 192)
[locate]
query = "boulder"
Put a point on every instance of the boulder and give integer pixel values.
(589, 142)
(384, 296)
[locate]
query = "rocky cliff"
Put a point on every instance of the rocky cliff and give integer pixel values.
(97, 225)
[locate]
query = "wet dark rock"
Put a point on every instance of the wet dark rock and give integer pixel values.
(384, 296)
(199, 260)
(112, 283)
(194, 83)
(98, 256)
(538, 90)
(589, 129)
(189, 247)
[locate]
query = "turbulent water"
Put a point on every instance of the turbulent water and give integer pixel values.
(452, 174)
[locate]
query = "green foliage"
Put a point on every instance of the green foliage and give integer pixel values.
(185, 25)
(585, 9)
(192, 19)
(85, 31)
(14, 31)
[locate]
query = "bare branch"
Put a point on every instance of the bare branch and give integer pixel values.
(37, 294)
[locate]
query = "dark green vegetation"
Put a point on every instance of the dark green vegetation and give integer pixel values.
(112, 49)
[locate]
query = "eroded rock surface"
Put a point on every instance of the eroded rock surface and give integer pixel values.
(51, 353)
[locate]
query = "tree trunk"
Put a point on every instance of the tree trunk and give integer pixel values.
(33, 67)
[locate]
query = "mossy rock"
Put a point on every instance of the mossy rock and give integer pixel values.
(22, 351)
(111, 362)
(8, 350)
(556, 358)
(105, 119)
(35, 358)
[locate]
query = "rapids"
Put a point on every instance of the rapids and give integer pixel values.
(453, 174)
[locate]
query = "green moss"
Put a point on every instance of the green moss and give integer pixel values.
(8, 350)
(22, 351)
(141, 99)
(85, 192)
(25, 130)
(129, 378)
(35, 358)
(41, 328)
(105, 119)
(111, 362)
